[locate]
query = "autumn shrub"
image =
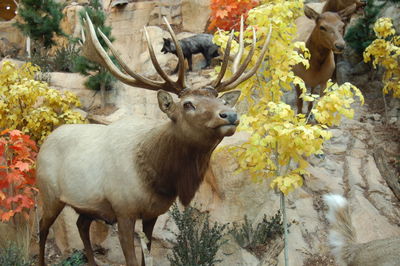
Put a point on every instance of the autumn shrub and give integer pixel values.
(31, 106)
(197, 240)
(17, 191)
(17, 175)
(225, 14)
(257, 237)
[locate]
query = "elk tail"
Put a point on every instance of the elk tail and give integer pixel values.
(341, 231)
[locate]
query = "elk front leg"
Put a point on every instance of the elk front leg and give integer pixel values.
(299, 100)
(83, 225)
(126, 229)
(148, 226)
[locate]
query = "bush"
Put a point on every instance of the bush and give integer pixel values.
(252, 238)
(13, 256)
(77, 258)
(32, 106)
(64, 58)
(197, 241)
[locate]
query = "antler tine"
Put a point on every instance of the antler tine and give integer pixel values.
(225, 62)
(102, 57)
(181, 60)
(241, 47)
(242, 68)
(157, 65)
(128, 70)
(253, 70)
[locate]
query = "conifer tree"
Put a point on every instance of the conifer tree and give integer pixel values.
(40, 20)
(361, 35)
(102, 79)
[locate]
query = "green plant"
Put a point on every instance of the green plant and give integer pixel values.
(11, 255)
(197, 240)
(77, 258)
(41, 58)
(40, 20)
(64, 58)
(251, 238)
(361, 34)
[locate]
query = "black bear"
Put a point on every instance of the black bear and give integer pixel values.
(199, 43)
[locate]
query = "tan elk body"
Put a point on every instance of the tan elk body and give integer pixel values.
(345, 8)
(323, 36)
(135, 168)
(342, 239)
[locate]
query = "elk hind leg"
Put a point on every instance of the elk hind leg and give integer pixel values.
(83, 224)
(148, 226)
(126, 229)
(49, 216)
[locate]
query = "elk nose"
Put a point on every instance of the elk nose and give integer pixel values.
(230, 116)
(339, 46)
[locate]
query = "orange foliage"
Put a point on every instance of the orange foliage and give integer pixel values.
(17, 173)
(225, 14)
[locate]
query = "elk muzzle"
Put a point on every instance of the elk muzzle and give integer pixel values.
(339, 47)
(231, 117)
(230, 121)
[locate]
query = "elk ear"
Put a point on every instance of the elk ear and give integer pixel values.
(166, 102)
(310, 13)
(231, 97)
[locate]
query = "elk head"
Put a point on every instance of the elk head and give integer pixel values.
(200, 113)
(328, 29)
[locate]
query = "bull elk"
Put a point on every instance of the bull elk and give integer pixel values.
(342, 239)
(326, 38)
(135, 168)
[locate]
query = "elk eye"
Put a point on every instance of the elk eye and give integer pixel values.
(322, 28)
(188, 106)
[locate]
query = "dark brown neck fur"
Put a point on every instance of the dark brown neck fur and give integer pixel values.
(318, 52)
(172, 167)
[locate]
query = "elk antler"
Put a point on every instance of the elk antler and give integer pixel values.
(239, 76)
(97, 53)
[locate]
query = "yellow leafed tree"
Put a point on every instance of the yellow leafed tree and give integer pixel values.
(385, 51)
(32, 106)
(281, 140)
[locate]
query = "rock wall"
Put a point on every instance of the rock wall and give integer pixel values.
(15, 37)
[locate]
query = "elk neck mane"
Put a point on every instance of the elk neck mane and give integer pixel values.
(171, 166)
